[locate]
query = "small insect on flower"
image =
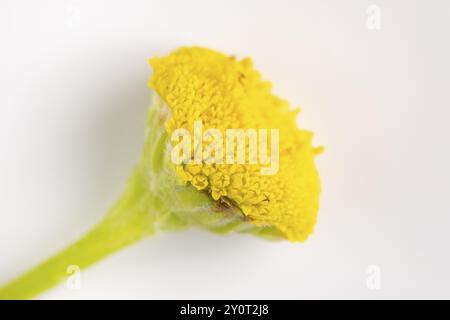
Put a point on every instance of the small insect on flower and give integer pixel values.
(261, 181)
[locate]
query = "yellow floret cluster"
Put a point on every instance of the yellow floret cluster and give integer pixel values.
(198, 83)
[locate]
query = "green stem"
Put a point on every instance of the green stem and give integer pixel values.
(127, 222)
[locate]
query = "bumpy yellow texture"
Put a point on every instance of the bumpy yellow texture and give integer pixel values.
(198, 83)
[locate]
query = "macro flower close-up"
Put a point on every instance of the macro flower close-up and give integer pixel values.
(197, 83)
(229, 157)
(219, 193)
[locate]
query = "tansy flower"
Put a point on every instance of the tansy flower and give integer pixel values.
(189, 85)
(197, 83)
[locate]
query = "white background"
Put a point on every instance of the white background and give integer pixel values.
(73, 101)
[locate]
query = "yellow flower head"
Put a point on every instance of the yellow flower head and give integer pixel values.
(198, 83)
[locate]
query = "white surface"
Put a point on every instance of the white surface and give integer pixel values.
(73, 102)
